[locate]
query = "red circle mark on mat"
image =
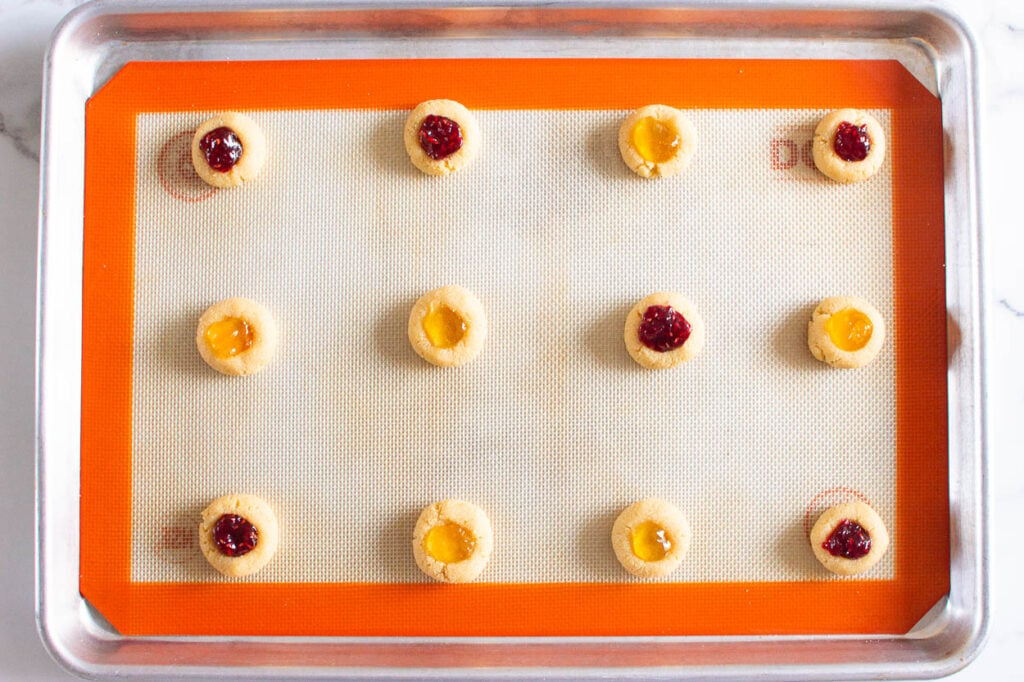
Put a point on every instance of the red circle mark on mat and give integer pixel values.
(177, 543)
(176, 173)
(783, 153)
(807, 154)
(838, 495)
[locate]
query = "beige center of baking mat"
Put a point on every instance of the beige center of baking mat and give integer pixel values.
(552, 429)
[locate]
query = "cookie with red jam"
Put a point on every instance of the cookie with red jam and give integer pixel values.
(238, 534)
(441, 136)
(228, 150)
(849, 538)
(849, 145)
(663, 330)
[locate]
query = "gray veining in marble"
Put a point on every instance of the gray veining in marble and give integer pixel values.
(19, 138)
(1006, 304)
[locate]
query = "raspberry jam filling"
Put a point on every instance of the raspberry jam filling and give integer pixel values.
(663, 329)
(222, 149)
(848, 540)
(440, 137)
(234, 535)
(851, 142)
(650, 542)
(449, 543)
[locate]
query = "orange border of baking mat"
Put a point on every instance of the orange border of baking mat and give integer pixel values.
(921, 516)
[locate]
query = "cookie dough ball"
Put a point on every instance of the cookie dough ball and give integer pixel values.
(663, 330)
(441, 136)
(849, 145)
(238, 534)
(236, 336)
(447, 326)
(228, 149)
(650, 538)
(849, 538)
(452, 541)
(845, 331)
(657, 140)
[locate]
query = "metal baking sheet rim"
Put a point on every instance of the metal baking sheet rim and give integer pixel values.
(96, 39)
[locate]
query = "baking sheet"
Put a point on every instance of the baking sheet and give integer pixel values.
(518, 607)
(553, 429)
(99, 39)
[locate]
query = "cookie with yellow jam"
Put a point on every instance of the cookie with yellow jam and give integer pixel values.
(441, 136)
(849, 145)
(657, 141)
(452, 541)
(238, 534)
(849, 538)
(845, 332)
(228, 150)
(236, 336)
(447, 326)
(650, 538)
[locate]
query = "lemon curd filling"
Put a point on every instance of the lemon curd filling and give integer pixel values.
(449, 543)
(444, 327)
(650, 541)
(849, 329)
(656, 141)
(229, 337)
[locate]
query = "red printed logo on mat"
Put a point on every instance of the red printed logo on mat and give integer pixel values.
(790, 149)
(177, 541)
(176, 173)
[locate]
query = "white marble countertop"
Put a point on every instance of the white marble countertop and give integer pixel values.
(998, 26)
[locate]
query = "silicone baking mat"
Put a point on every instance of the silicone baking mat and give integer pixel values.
(553, 430)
